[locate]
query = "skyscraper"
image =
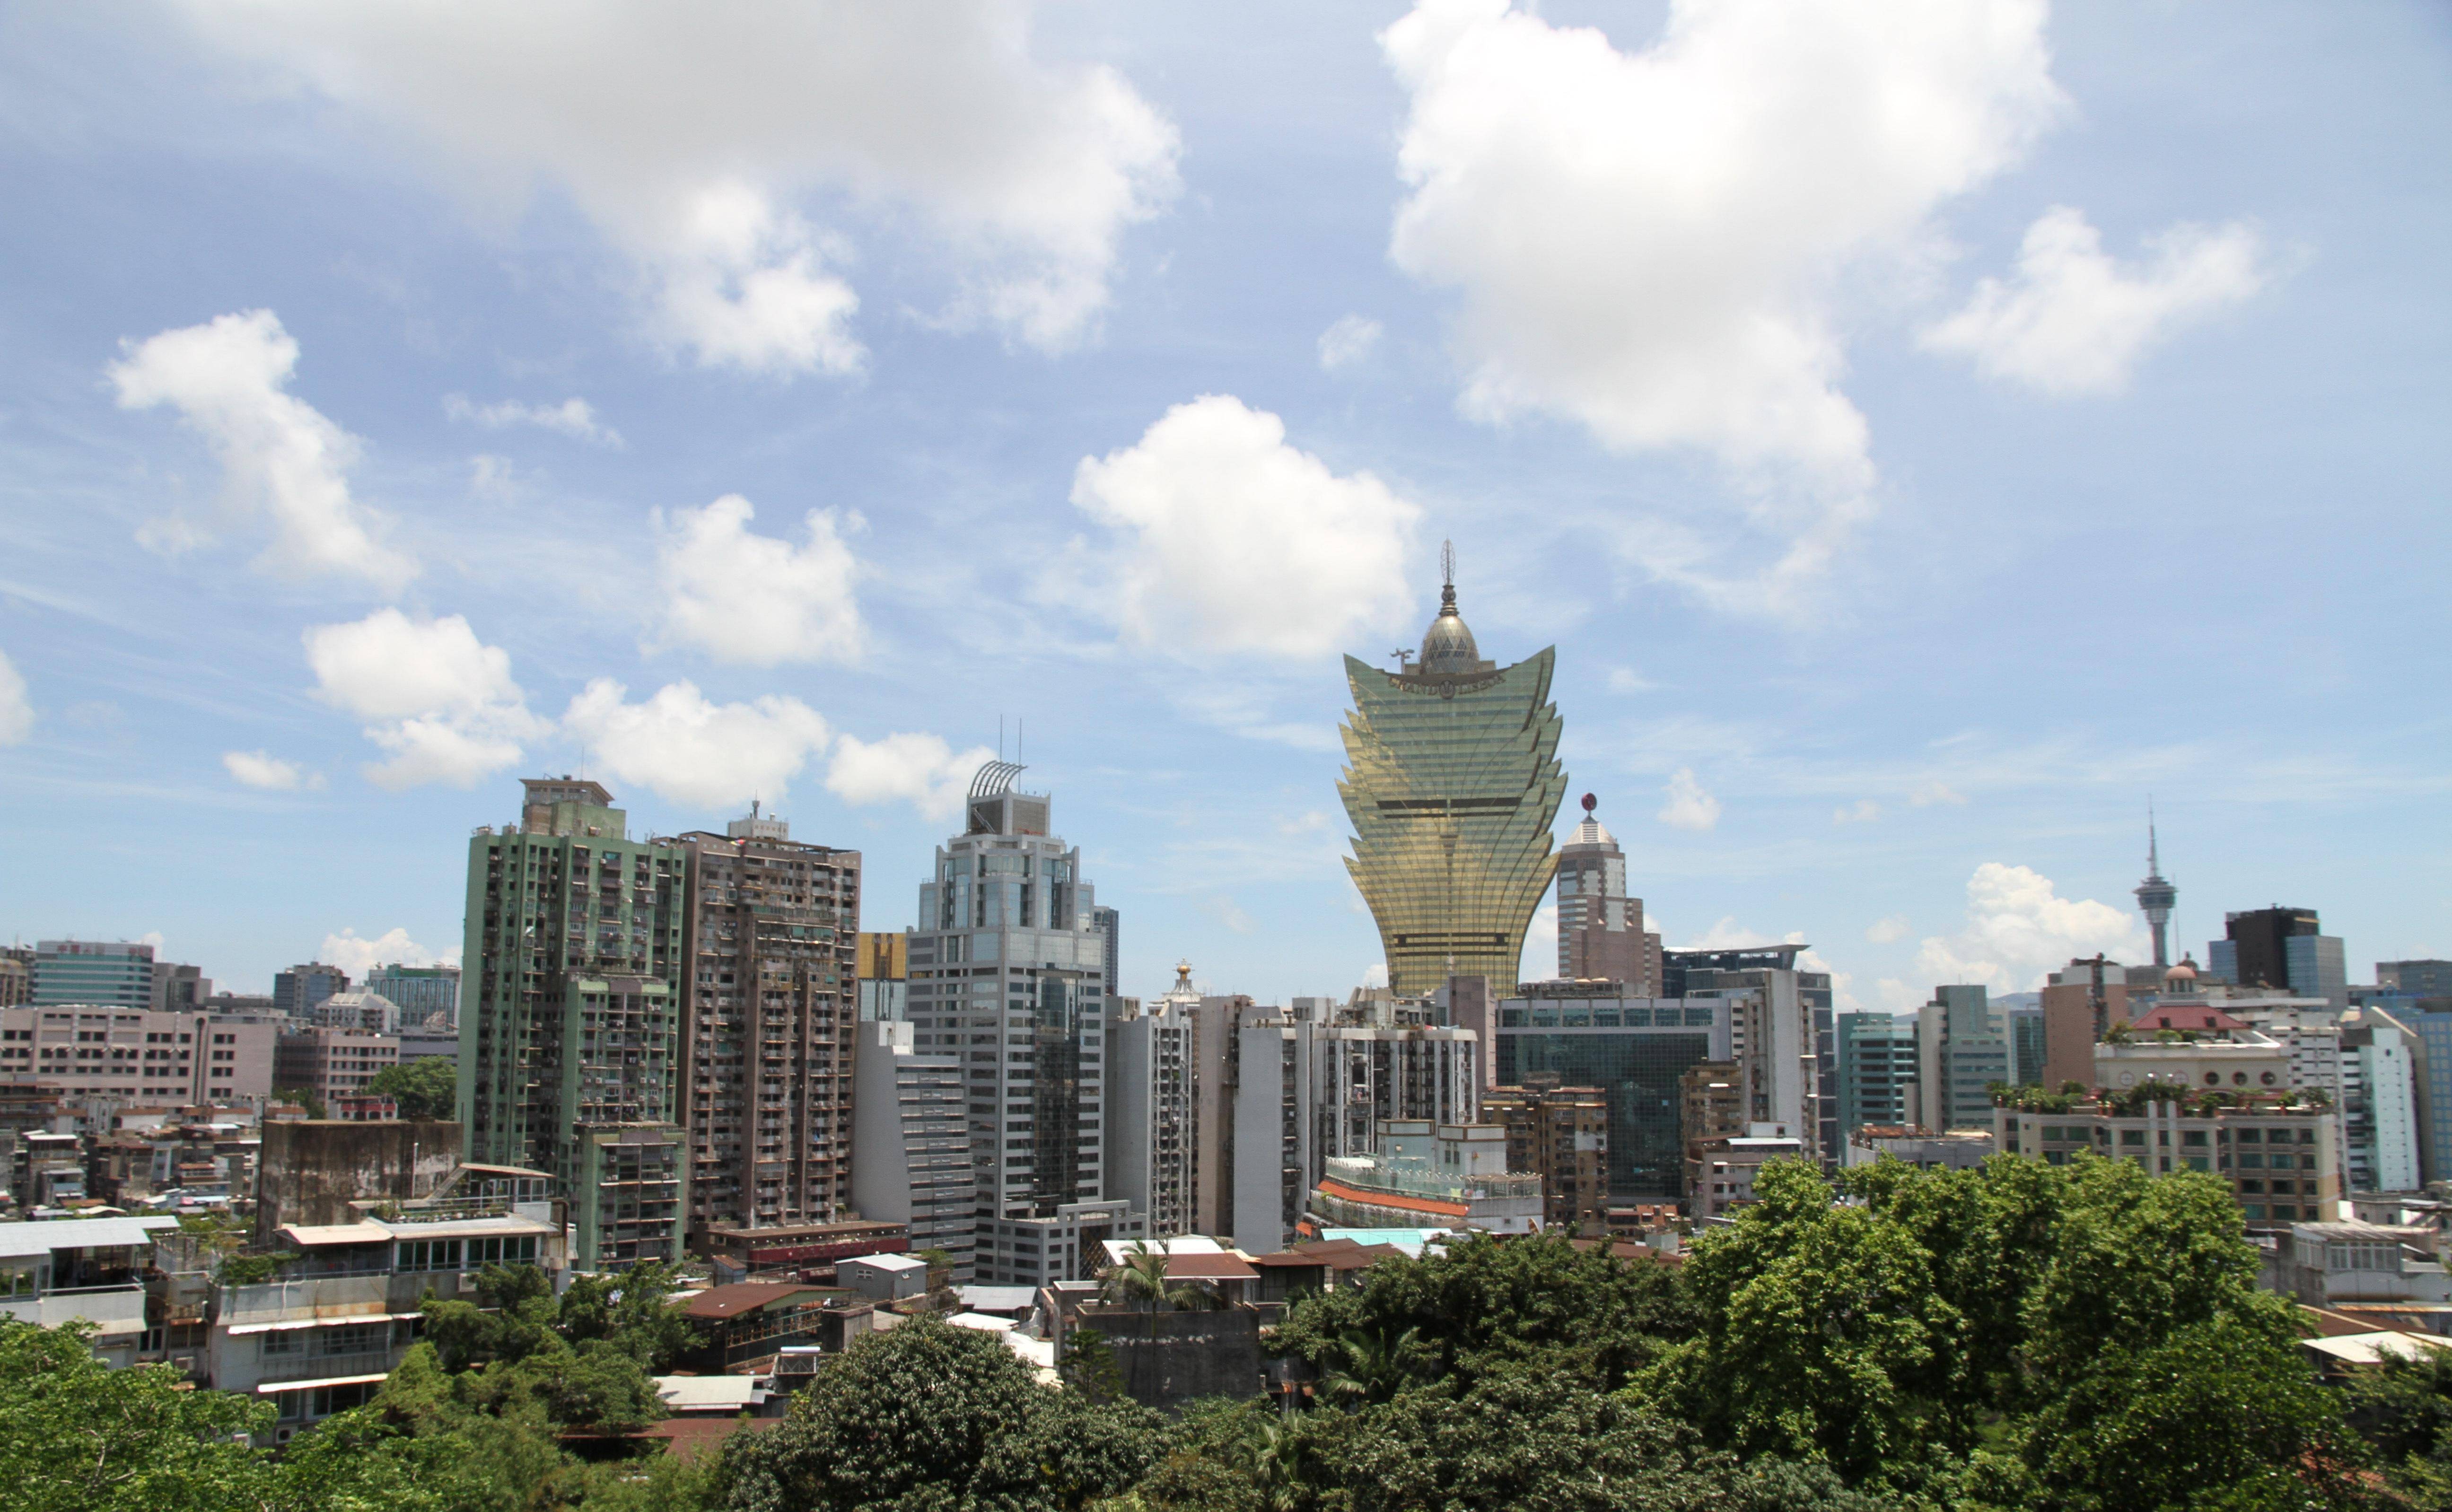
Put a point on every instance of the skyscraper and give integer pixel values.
(2285, 949)
(1961, 1047)
(1877, 1064)
(1008, 969)
(770, 934)
(569, 1032)
(1452, 783)
(1152, 1140)
(2155, 895)
(1600, 929)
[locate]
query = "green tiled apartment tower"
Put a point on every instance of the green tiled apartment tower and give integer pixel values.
(1452, 783)
(571, 1016)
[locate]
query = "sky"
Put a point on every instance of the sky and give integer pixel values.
(1927, 432)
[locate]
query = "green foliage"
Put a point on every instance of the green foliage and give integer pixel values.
(1089, 1366)
(2403, 1407)
(300, 1097)
(76, 1436)
(1487, 1302)
(931, 1416)
(629, 1311)
(428, 1087)
(253, 1270)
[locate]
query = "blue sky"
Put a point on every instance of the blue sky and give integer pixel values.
(1920, 445)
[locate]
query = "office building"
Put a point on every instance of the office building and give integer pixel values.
(297, 990)
(911, 1143)
(370, 1012)
(138, 1056)
(95, 974)
(570, 1036)
(1600, 930)
(2081, 1002)
(1452, 783)
(2156, 895)
(1962, 1049)
(1152, 1136)
(1111, 929)
(1783, 1035)
(2281, 949)
(1720, 1177)
(2428, 978)
(2022, 1015)
(2279, 1159)
(331, 1063)
(1561, 1136)
(423, 992)
(770, 935)
(179, 989)
(1635, 1050)
(1877, 1065)
(2380, 1104)
(884, 977)
(1008, 970)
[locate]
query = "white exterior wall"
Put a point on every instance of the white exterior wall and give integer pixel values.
(911, 1148)
(2384, 1114)
(1269, 1117)
(1151, 1129)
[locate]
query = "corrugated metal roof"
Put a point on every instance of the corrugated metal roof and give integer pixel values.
(79, 1234)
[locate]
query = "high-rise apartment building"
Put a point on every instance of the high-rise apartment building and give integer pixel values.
(1152, 1142)
(1561, 1134)
(1109, 927)
(571, 1031)
(1452, 783)
(1962, 1049)
(2380, 1108)
(1877, 1065)
(1635, 1050)
(97, 974)
(297, 990)
(1008, 971)
(911, 1143)
(422, 993)
(770, 935)
(1781, 1035)
(1600, 930)
(2022, 1014)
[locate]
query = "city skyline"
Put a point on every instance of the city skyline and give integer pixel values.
(1914, 721)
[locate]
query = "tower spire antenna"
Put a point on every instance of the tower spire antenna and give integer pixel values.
(2156, 895)
(1446, 576)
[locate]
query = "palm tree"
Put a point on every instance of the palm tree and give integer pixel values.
(1371, 1366)
(1143, 1276)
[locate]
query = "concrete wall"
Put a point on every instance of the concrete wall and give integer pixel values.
(1196, 1354)
(312, 1168)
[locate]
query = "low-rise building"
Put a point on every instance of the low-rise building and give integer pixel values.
(89, 1271)
(1955, 1149)
(1453, 1175)
(2387, 1275)
(2279, 1158)
(135, 1055)
(1721, 1178)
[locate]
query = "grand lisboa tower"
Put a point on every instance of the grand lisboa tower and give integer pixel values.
(1452, 783)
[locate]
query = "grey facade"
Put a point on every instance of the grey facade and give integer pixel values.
(1877, 1064)
(1633, 1049)
(911, 1144)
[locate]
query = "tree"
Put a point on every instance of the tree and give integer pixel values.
(1089, 1366)
(428, 1087)
(630, 1310)
(1142, 1276)
(1371, 1366)
(76, 1436)
(930, 1415)
(300, 1097)
(1485, 1302)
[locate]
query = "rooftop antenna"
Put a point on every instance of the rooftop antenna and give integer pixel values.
(1446, 576)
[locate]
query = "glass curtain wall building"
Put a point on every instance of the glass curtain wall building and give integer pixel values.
(1452, 783)
(1633, 1049)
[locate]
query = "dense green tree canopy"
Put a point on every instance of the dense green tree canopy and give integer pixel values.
(428, 1087)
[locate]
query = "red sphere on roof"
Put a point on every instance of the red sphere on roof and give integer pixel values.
(1590, 803)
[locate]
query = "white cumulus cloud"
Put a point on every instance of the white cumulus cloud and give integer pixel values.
(670, 125)
(1224, 538)
(1887, 930)
(281, 458)
(692, 751)
(441, 701)
(2018, 928)
(920, 770)
(757, 599)
(1349, 341)
(1654, 243)
(261, 769)
(2072, 321)
(358, 954)
(574, 417)
(1688, 806)
(1539, 962)
(17, 710)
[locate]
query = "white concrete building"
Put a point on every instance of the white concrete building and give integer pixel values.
(2380, 1104)
(1152, 1124)
(1421, 1172)
(89, 1269)
(911, 1145)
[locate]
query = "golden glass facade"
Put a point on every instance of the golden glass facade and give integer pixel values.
(1452, 783)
